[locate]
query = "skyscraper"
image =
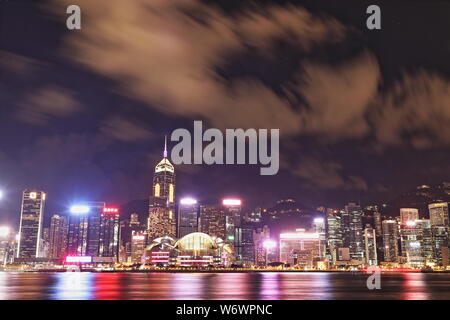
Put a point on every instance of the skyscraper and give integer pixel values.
(370, 246)
(59, 228)
(333, 234)
(6, 245)
(300, 248)
(440, 235)
(233, 222)
(248, 249)
(390, 240)
(261, 252)
(31, 219)
(416, 243)
(94, 231)
(439, 214)
(439, 220)
(354, 231)
(84, 230)
(377, 223)
(212, 221)
(137, 246)
(408, 214)
(187, 216)
(109, 233)
(318, 226)
(161, 219)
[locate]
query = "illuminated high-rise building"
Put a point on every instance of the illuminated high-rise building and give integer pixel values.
(6, 245)
(109, 233)
(390, 240)
(377, 223)
(84, 229)
(370, 246)
(408, 214)
(300, 248)
(187, 216)
(59, 228)
(161, 219)
(353, 231)
(261, 236)
(127, 227)
(439, 214)
(440, 241)
(333, 234)
(94, 231)
(247, 244)
(212, 221)
(134, 221)
(427, 238)
(137, 246)
(416, 241)
(233, 225)
(31, 218)
(318, 226)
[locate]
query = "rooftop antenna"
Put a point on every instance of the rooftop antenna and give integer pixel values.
(165, 146)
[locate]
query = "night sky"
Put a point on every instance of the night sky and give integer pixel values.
(364, 115)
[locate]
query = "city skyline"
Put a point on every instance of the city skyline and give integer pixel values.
(334, 236)
(75, 129)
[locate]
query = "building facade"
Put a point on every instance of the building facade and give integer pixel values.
(188, 216)
(370, 246)
(213, 221)
(31, 219)
(59, 229)
(390, 240)
(300, 249)
(161, 219)
(353, 234)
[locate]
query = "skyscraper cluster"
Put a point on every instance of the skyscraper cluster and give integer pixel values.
(187, 232)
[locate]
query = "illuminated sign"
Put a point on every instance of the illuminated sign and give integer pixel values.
(299, 236)
(415, 244)
(4, 232)
(78, 259)
(110, 210)
(269, 244)
(231, 202)
(318, 220)
(188, 201)
(79, 209)
(138, 237)
(410, 223)
(230, 238)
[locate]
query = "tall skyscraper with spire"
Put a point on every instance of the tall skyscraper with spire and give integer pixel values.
(161, 219)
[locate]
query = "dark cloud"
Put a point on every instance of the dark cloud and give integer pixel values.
(327, 175)
(40, 107)
(415, 110)
(125, 130)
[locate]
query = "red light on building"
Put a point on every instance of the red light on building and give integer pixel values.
(110, 210)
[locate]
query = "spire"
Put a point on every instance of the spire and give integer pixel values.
(165, 146)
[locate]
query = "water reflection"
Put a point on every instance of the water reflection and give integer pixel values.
(311, 286)
(270, 286)
(108, 286)
(3, 286)
(187, 286)
(415, 287)
(203, 286)
(233, 286)
(74, 285)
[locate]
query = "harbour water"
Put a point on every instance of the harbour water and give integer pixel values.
(214, 286)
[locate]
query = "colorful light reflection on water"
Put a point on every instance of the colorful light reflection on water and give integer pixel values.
(220, 286)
